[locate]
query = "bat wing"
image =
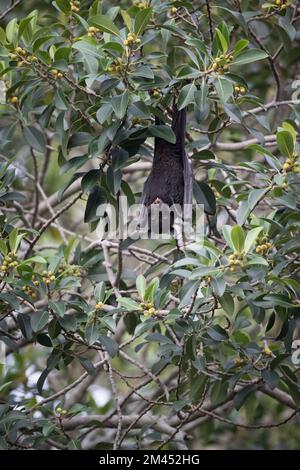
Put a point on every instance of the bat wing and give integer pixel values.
(179, 128)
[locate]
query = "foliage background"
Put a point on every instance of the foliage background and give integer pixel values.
(111, 345)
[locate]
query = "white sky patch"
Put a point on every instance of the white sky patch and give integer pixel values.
(100, 394)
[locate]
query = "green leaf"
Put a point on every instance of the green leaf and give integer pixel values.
(246, 207)
(39, 320)
(285, 143)
(222, 41)
(119, 104)
(141, 20)
(104, 24)
(251, 238)
(186, 95)
(203, 155)
(205, 195)
(12, 31)
(35, 138)
(217, 333)
(226, 229)
(238, 238)
(163, 132)
(240, 46)
(91, 334)
(227, 303)
(224, 88)
(63, 5)
(87, 48)
(248, 56)
(141, 286)
(128, 304)
(109, 344)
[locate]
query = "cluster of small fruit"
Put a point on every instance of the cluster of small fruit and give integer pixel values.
(29, 290)
(221, 63)
(131, 40)
(141, 5)
(68, 270)
(155, 92)
(235, 260)
(23, 57)
(136, 120)
(291, 164)
(99, 306)
(14, 100)
(48, 277)
(93, 31)
(117, 66)
(240, 361)
(75, 6)
(240, 90)
(148, 308)
(263, 245)
(56, 73)
(174, 11)
(61, 412)
(10, 262)
(280, 4)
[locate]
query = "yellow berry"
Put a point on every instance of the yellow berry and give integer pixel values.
(14, 99)
(232, 268)
(237, 89)
(286, 167)
(239, 361)
(52, 278)
(19, 49)
(3, 268)
(243, 89)
(60, 75)
(215, 66)
(151, 311)
(54, 72)
(174, 10)
(267, 351)
(64, 412)
(138, 41)
(48, 282)
(59, 409)
(258, 249)
(12, 55)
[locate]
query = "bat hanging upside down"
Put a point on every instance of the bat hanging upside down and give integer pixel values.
(170, 181)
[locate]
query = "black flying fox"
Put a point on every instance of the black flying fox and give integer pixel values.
(170, 181)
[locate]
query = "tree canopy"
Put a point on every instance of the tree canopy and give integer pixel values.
(107, 344)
